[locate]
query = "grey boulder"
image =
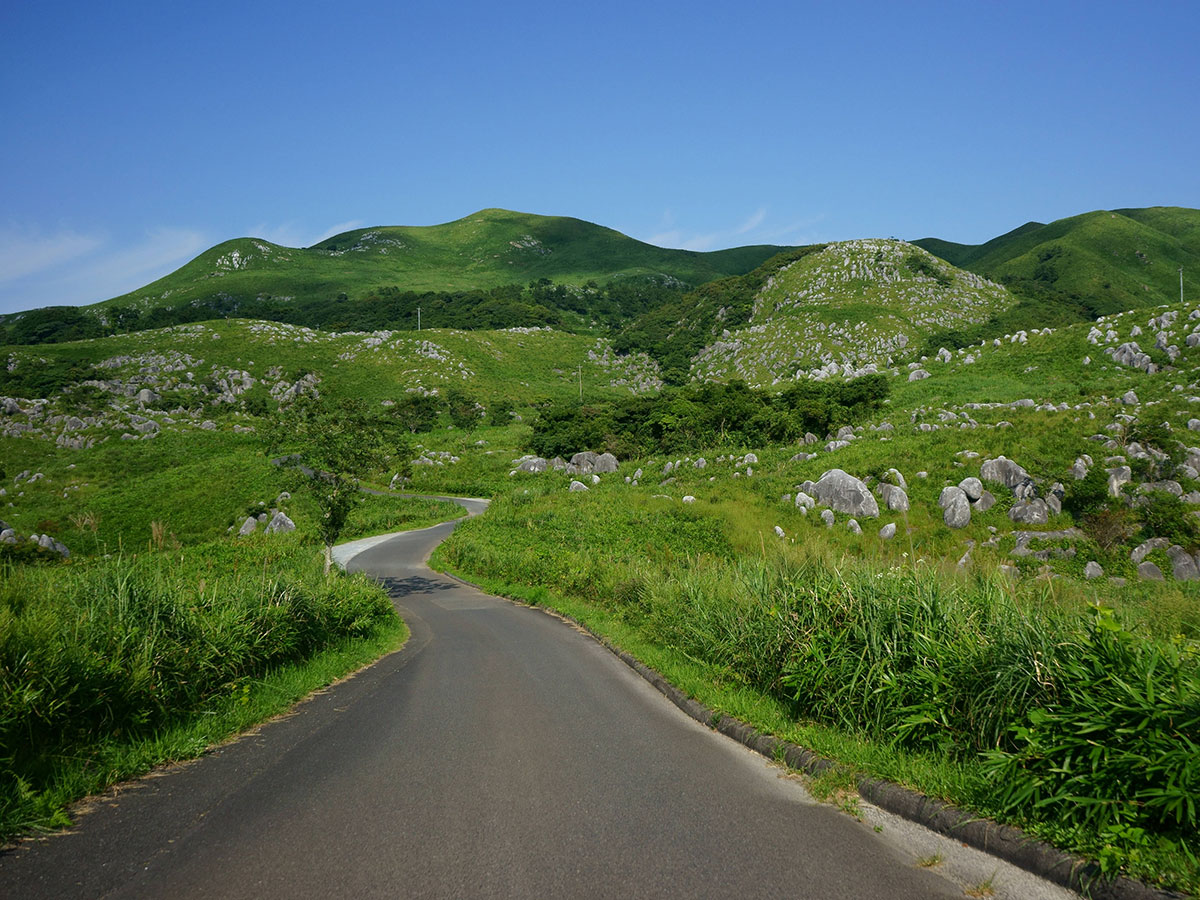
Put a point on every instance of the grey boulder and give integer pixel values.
(894, 498)
(1183, 567)
(972, 487)
(985, 502)
(1149, 571)
(1004, 471)
(605, 462)
(280, 524)
(1030, 512)
(956, 508)
(1142, 550)
(844, 493)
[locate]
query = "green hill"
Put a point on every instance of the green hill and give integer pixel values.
(491, 248)
(492, 269)
(1107, 260)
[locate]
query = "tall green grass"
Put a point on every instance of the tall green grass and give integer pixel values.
(119, 650)
(1064, 718)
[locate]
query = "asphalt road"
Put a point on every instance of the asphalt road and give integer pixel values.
(500, 753)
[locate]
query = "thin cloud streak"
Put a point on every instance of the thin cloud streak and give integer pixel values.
(749, 231)
(24, 254)
(753, 222)
(94, 275)
(289, 234)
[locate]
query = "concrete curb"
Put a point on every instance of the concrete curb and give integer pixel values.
(1002, 841)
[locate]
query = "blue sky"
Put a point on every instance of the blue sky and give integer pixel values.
(137, 135)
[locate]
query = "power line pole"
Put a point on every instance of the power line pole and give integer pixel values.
(1181, 284)
(418, 318)
(580, 382)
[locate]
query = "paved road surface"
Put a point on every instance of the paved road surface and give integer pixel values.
(499, 754)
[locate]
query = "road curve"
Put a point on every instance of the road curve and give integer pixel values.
(500, 753)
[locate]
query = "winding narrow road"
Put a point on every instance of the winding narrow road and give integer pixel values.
(500, 753)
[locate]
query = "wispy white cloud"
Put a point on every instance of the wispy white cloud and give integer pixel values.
(680, 241)
(158, 253)
(289, 234)
(753, 222)
(749, 230)
(23, 254)
(85, 269)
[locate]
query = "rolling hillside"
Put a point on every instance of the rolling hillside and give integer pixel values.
(490, 248)
(1111, 259)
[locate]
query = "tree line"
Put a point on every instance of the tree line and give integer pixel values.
(539, 303)
(700, 416)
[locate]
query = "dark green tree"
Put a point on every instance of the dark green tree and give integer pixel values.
(337, 442)
(415, 413)
(462, 408)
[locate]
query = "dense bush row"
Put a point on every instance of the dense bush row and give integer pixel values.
(385, 307)
(703, 416)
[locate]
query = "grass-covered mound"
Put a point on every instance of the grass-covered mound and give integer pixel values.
(851, 305)
(1110, 260)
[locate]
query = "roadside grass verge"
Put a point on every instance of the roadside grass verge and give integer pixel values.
(382, 515)
(1000, 697)
(110, 668)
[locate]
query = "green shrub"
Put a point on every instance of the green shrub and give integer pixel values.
(1167, 516)
(1087, 496)
(462, 409)
(704, 415)
(1118, 741)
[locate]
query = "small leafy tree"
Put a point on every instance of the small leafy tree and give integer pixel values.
(463, 410)
(338, 443)
(416, 413)
(500, 412)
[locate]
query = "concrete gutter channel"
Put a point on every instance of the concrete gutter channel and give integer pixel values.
(1005, 842)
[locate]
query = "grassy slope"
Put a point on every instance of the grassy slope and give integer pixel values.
(489, 248)
(1128, 258)
(199, 482)
(646, 550)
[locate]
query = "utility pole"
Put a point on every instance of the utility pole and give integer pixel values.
(1181, 284)
(418, 318)
(581, 383)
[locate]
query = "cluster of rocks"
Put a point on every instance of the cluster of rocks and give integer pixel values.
(638, 372)
(838, 491)
(8, 535)
(583, 463)
(275, 333)
(435, 458)
(273, 520)
(1164, 327)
